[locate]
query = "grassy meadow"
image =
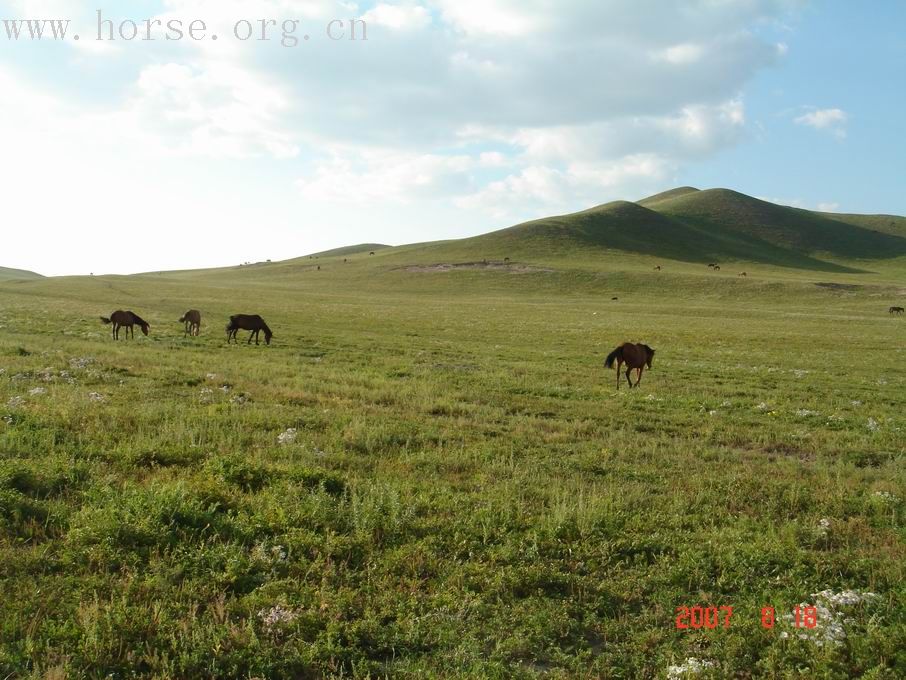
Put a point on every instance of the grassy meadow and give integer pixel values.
(430, 474)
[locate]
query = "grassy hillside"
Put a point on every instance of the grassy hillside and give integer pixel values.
(350, 250)
(666, 195)
(684, 225)
(721, 212)
(6, 273)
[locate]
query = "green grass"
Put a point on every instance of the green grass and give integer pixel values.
(466, 495)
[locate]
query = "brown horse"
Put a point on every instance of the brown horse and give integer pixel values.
(634, 356)
(121, 319)
(248, 322)
(192, 320)
(896, 310)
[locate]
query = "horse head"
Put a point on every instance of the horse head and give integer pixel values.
(650, 357)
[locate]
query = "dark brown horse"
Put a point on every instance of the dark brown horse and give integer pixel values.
(896, 310)
(634, 356)
(248, 322)
(127, 320)
(192, 320)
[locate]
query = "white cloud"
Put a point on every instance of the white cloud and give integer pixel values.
(828, 207)
(828, 120)
(681, 54)
(401, 17)
(354, 175)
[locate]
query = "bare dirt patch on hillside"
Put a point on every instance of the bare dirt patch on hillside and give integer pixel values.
(511, 267)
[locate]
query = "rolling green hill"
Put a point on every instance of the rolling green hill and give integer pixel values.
(350, 250)
(7, 274)
(689, 225)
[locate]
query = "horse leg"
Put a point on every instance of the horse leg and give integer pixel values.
(638, 380)
(619, 365)
(257, 334)
(629, 375)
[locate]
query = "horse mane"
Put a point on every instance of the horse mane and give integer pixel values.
(267, 331)
(139, 320)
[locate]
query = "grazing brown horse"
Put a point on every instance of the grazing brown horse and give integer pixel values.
(192, 320)
(121, 319)
(634, 356)
(248, 322)
(896, 310)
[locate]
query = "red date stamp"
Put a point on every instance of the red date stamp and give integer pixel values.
(710, 618)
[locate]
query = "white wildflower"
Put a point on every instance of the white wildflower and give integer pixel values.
(856, 402)
(762, 407)
(80, 362)
(873, 425)
(805, 413)
(275, 616)
(712, 413)
(844, 598)
(824, 526)
(211, 376)
(205, 396)
(799, 373)
(830, 628)
(690, 666)
(887, 496)
(37, 391)
(288, 436)
(96, 396)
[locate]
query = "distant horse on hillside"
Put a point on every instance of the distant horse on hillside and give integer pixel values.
(743, 274)
(717, 267)
(121, 319)
(248, 322)
(634, 356)
(192, 320)
(896, 310)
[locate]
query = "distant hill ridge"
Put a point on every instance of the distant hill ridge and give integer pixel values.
(7, 273)
(695, 225)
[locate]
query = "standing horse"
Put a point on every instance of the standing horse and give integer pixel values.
(192, 320)
(121, 319)
(248, 322)
(634, 356)
(895, 310)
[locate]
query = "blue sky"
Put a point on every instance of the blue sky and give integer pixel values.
(455, 117)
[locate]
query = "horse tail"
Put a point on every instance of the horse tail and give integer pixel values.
(106, 320)
(613, 356)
